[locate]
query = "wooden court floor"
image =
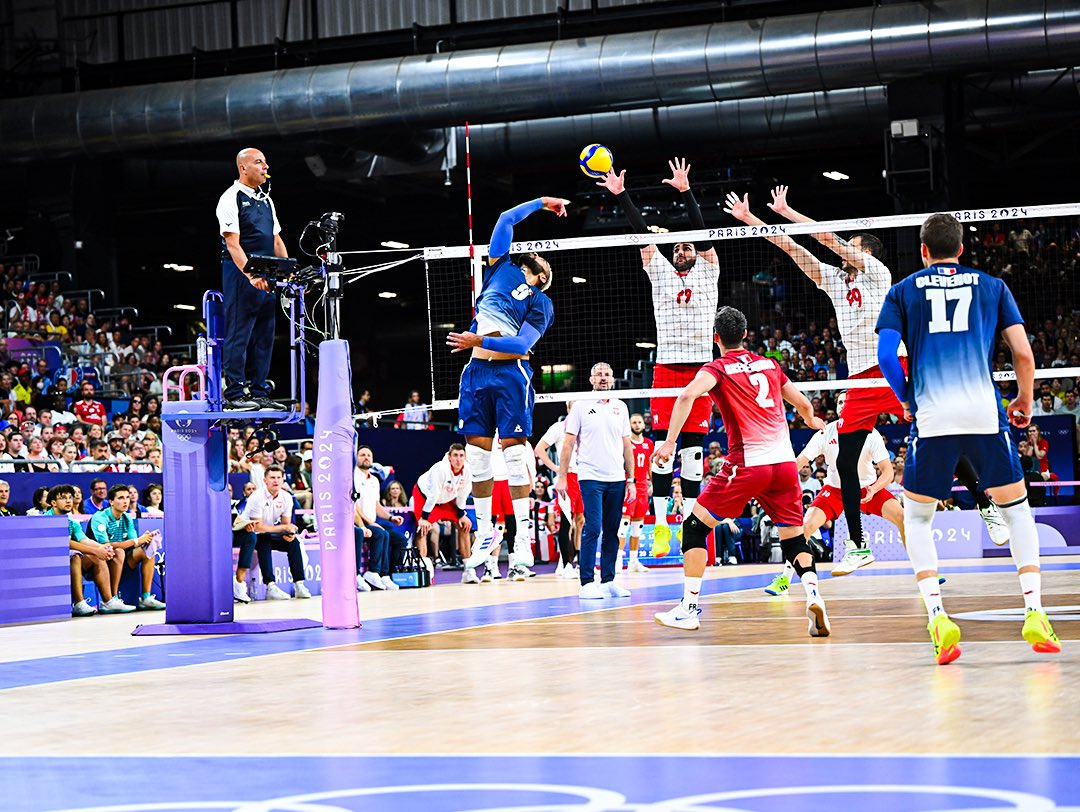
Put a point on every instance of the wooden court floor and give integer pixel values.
(527, 668)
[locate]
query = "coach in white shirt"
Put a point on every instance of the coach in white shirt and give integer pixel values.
(600, 428)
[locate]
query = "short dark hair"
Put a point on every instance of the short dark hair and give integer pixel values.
(57, 491)
(95, 482)
(274, 467)
(118, 488)
(869, 241)
(457, 447)
(362, 446)
(942, 235)
(730, 327)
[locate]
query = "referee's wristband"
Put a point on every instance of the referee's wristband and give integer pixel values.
(631, 479)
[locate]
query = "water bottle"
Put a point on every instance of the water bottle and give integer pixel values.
(200, 350)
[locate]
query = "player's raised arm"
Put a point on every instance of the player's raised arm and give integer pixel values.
(807, 262)
(792, 395)
(616, 184)
(503, 234)
(839, 246)
(680, 180)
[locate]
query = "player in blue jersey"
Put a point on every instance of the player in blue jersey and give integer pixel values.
(512, 313)
(949, 318)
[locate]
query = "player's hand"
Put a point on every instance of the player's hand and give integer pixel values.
(463, 341)
(779, 200)
(871, 492)
(102, 553)
(680, 175)
(423, 527)
(258, 282)
(815, 422)
(616, 184)
(664, 452)
(288, 536)
(1019, 411)
(560, 485)
(464, 523)
(631, 491)
(398, 520)
(366, 532)
(555, 204)
(736, 207)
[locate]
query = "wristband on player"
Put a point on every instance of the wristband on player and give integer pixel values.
(424, 514)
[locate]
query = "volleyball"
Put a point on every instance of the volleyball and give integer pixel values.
(596, 160)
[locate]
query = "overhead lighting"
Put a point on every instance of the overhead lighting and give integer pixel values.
(834, 175)
(658, 230)
(183, 307)
(646, 345)
(172, 266)
(387, 294)
(972, 228)
(445, 326)
(578, 280)
(393, 244)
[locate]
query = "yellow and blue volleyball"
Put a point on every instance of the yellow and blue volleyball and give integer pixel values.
(596, 160)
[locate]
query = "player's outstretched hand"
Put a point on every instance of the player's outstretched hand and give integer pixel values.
(816, 423)
(779, 199)
(555, 204)
(616, 184)
(664, 452)
(680, 175)
(1019, 412)
(736, 207)
(463, 341)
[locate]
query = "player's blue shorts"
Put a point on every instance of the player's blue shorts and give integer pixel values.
(931, 462)
(496, 395)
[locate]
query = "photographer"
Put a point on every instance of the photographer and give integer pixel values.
(248, 224)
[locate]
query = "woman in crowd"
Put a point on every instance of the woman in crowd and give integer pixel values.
(68, 454)
(38, 457)
(153, 409)
(41, 504)
(153, 496)
(394, 495)
(78, 501)
(135, 409)
(238, 462)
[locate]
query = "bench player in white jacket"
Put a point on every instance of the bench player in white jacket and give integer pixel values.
(440, 495)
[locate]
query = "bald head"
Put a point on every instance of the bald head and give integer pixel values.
(252, 166)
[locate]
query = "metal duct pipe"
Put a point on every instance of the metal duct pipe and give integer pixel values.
(783, 55)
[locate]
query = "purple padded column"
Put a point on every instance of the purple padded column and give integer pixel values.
(197, 522)
(333, 459)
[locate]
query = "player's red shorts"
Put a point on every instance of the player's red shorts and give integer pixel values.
(862, 406)
(447, 511)
(666, 376)
(501, 503)
(638, 507)
(775, 487)
(829, 502)
(573, 490)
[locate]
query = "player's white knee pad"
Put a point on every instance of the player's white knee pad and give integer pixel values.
(918, 528)
(635, 529)
(479, 462)
(517, 469)
(691, 462)
(663, 467)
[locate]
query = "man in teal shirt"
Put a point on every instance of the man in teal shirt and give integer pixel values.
(114, 527)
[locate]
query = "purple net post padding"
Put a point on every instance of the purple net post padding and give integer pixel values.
(333, 459)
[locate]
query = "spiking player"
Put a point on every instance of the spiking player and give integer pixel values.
(949, 317)
(749, 391)
(512, 313)
(634, 511)
(857, 289)
(684, 296)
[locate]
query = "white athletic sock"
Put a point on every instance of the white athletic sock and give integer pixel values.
(659, 504)
(1031, 584)
(789, 571)
(931, 595)
(691, 592)
(688, 503)
(483, 515)
(809, 584)
(521, 514)
(633, 555)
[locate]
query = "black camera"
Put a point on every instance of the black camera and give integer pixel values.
(330, 222)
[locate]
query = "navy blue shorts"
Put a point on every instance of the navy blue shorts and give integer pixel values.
(931, 462)
(496, 395)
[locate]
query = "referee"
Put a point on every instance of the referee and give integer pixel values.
(600, 428)
(248, 224)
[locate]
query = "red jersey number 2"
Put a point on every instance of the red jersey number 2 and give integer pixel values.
(684, 296)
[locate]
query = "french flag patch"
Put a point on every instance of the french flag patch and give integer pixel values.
(947, 271)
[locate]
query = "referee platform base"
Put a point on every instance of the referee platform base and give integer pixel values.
(233, 627)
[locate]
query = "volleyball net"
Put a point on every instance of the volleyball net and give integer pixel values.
(603, 300)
